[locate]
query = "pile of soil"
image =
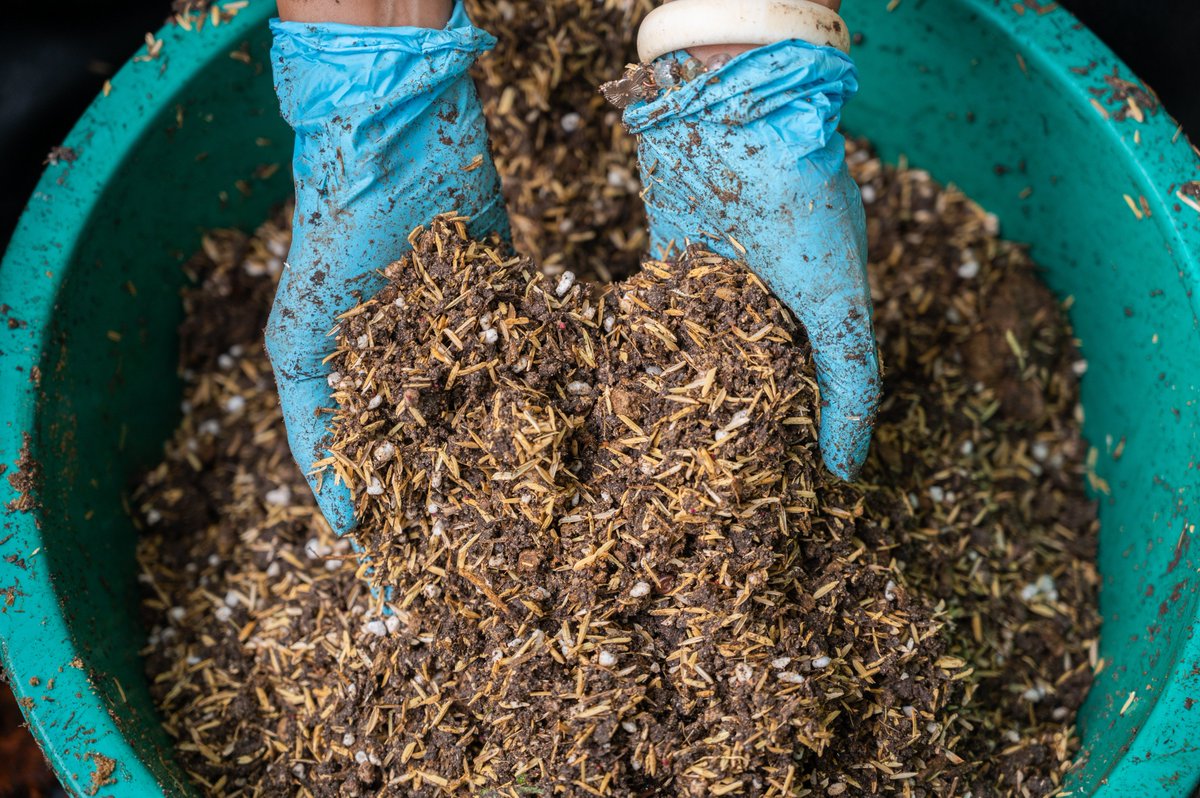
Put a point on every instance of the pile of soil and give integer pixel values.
(566, 164)
(598, 506)
(611, 563)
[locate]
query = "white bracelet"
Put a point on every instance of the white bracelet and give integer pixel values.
(683, 24)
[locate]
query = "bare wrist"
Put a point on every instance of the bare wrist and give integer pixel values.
(374, 13)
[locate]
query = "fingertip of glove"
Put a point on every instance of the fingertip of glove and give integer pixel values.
(337, 505)
(845, 465)
(845, 444)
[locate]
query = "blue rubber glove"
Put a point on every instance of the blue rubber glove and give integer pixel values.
(389, 134)
(747, 161)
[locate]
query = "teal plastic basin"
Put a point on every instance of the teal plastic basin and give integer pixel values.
(1013, 102)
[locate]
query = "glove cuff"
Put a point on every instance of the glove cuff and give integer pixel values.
(331, 70)
(684, 24)
(793, 88)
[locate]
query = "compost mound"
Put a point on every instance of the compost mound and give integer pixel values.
(568, 167)
(606, 558)
(600, 506)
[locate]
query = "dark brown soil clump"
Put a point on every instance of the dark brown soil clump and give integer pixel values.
(606, 577)
(24, 478)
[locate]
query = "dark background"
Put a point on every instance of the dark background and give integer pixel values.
(53, 62)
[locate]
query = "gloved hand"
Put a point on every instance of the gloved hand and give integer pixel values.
(389, 134)
(747, 161)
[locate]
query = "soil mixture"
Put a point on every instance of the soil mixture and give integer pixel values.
(606, 559)
(567, 166)
(610, 561)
